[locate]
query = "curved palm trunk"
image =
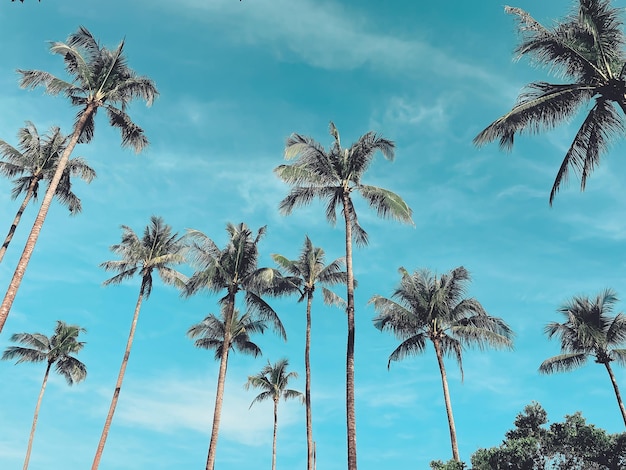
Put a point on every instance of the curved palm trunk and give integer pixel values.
(446, 397)
(14, 285)
(18, 216)
(307, 390)
(350, 413)
(275, 431)
(118, 386)
(32, 430)
(616, 388)
(221, 378)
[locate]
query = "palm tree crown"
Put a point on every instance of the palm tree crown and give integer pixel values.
(158, 249)
(310, 269)
(587, 49)
(210, 333)
(37, 160)
(100, 78)
(58, 350)
(273, 380)
(335, 174)
(589, 330)
(427, 307)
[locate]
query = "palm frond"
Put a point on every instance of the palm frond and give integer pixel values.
(562, 363)
(542, 106)
(387, 203)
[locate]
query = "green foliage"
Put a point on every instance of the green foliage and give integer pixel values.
(586, 50)
(449, 465)
(569, 445)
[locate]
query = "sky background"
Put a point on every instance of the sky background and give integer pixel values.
(235, 79)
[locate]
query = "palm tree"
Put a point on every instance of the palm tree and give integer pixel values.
(425, 307)
(310, 269)
(333, 176)
(234, 269)
(589, 330)
(229, 332)
(58, 351)
(100, 79)
(158, 250)
(586, 49)
(273, 380)
(38, 158)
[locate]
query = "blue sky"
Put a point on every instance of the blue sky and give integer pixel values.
(235, 79)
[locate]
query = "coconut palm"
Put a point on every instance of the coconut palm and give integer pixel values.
(273, 380)
(157, 250)
(36, 160)
(586, 48)
(57, 350)
(234, 269)
(100, 78)
(310, 270)
(424, 307)
(334, 176)
(223, 334)
(589, 330)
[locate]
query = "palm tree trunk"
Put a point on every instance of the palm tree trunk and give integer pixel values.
(14, 285)
(32, 430)
(118, 385)
(616, 388)
(18, 216)
(219, 394)
(307, 389)
(275, 431)
(446, 397)
(350, 413)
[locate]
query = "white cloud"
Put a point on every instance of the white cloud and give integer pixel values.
(326, 35)
(168, 404)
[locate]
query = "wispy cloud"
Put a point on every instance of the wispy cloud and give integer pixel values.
(169, 404)
(327, 35)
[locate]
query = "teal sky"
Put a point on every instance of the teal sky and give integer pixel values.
(235, 79)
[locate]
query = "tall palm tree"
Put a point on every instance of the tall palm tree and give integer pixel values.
(157, 250)
(310, 270)
(223, 334)
(234, 269)
(333, 176)
(100, 79)
(424, 307)
(273, 380)
(586, 48)
(37, 158)
(589, 330)
(56, 350)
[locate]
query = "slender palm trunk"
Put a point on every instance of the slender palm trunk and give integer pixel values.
(14, 285)
(32, 429)
(350, 412)
(446, 397)
(18, 216)
(616, 388)
(275, 432)
(118, 385)
(219, 394)
(307, 387)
